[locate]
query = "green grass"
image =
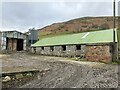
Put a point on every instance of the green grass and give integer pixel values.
(76, 59)
(115, 63)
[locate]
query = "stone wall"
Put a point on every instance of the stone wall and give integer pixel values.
(33, 50)
(46, 51)
(38, 50)
(70, 50)
(58, 51)
(81, 52)
(101, 53)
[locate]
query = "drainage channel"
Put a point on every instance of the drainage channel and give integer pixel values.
(16, 79)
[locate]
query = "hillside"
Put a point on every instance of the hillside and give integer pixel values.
(77, 25)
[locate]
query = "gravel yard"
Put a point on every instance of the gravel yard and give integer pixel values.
(63, 72)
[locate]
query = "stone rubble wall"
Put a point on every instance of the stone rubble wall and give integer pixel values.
(98, 53)
(69, 52)
(57, 50)
(102, 53)
(38, 50)
(46, 51)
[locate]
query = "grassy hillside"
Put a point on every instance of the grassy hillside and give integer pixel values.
(77, 25)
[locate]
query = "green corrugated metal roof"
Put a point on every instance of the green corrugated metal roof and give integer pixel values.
(104, 36)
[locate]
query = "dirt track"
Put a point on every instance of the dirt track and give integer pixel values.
(63, 73)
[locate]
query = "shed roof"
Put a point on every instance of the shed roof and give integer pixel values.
(103, 36)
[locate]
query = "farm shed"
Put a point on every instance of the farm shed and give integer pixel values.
(93, 46)
(12, 41)
(32, 36)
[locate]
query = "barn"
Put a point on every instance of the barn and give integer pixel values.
(93, 46)
(12, 41)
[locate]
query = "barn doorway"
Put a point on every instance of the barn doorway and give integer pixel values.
(11, 44)
(6, 43)
(19, 44)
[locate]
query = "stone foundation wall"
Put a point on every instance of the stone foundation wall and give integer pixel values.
(33, 50)
(82, 51)
(57, 50)
(46, 51)
(101, 53)
(69, 52)
(38, 50)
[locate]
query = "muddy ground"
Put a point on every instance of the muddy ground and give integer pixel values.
(62, 72)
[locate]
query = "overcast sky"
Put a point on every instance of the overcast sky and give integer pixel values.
(24, 15)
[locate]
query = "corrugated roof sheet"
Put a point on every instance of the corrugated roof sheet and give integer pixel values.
(103, 36)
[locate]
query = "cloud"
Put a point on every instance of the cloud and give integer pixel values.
(23, 15)
(119, 8)
(58, 0)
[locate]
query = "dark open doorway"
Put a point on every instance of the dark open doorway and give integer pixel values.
(6, 43)
(19, 44)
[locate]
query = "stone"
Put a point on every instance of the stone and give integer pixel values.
(47, 69)
(98, 53)
(19, 76)
(6, 79)
(43, 73)
(38, 77)
(29, 74)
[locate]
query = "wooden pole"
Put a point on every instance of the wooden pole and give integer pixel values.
(114, 46)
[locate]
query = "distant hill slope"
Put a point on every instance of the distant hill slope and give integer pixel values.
(78, 25)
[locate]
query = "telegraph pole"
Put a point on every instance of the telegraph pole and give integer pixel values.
(114, 46)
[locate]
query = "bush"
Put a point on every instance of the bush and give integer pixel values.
(104, 26)
(66, 30)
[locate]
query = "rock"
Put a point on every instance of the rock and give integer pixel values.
(19, 76)
(38, 76)
(29, 74)
(45, 70)
(6, 79)
(43, 73)
(48, 69)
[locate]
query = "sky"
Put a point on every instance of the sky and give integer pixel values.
(22, 16)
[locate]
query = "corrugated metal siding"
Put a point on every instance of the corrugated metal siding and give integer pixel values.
(3, 42)
(8, 40)
(104, 36)
(33, 35)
